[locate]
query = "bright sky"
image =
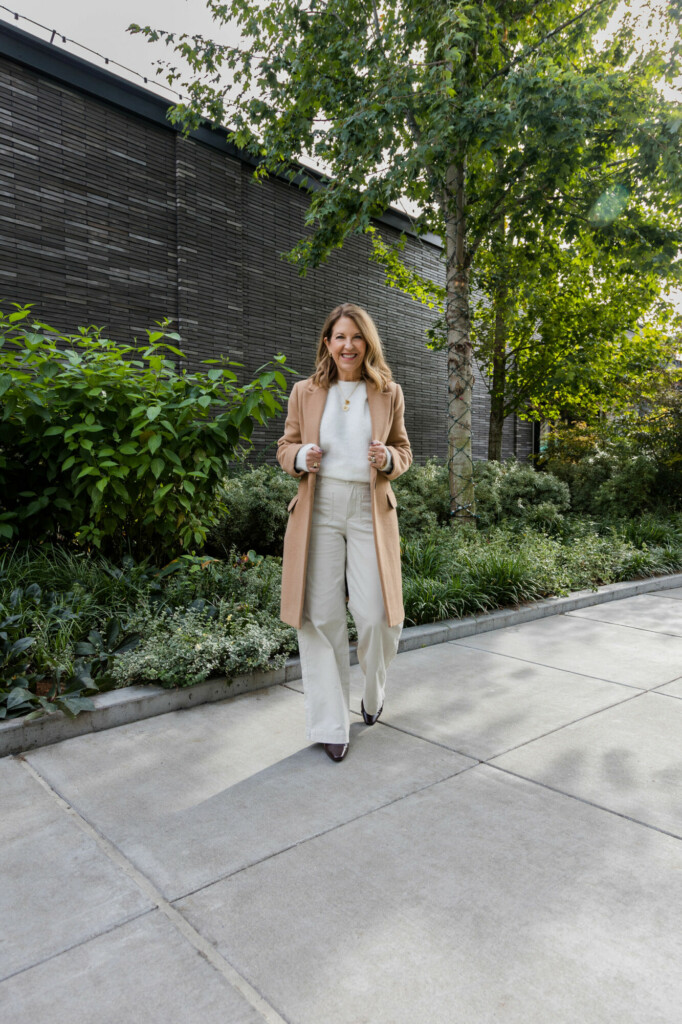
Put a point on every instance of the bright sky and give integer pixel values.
(102, 27)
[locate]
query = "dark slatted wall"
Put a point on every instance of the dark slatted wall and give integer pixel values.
(107, 217)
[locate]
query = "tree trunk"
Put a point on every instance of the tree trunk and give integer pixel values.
(460, 354)
(496, 422)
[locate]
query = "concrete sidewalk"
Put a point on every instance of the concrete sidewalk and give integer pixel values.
(505, 845)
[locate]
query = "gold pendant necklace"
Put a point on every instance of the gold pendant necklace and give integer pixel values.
(346, 401)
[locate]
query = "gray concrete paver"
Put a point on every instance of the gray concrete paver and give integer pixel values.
(602, 650)
(193, 795)
(674, 592)
(141, 972)
(484, 898)
(627, 758)
(58, 889)
(483, 703)
(646, 611)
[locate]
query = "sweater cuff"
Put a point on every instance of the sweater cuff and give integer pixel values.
(299, 463)
(389, 463)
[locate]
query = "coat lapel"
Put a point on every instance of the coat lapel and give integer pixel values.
(380, 412)
(317, 399)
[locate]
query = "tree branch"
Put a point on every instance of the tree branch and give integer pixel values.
(555, 31)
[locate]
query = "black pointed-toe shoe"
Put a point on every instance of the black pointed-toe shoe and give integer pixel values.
(337, 751)
(370, 719)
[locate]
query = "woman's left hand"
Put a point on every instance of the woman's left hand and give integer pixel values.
(378, 454)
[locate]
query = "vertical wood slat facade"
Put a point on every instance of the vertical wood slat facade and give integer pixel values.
(109, 216)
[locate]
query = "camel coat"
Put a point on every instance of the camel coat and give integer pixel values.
(386, 409)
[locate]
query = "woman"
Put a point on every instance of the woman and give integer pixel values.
(345, 439)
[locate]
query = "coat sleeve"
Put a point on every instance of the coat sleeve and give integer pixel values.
(290, 443)
(397, 441)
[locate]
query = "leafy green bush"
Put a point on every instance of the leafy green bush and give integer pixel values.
(111, 446)
(250, 509)
(456, 572)
(184, 646)
(513, 490)
(46, 664)
(423, 495)
(624, 468)
(504, 490)
(652, 531)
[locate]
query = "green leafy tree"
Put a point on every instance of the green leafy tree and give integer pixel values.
(468, 108)
(567, 329)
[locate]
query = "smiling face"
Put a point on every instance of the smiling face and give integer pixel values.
(347, 348)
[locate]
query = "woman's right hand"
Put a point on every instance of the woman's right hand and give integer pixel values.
(313, 458)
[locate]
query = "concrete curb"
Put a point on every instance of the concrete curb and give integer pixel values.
(132, 703)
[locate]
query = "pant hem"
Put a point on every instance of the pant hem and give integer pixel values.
(316, 738)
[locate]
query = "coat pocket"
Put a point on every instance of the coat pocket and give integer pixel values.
(392, 501)
(291, 504)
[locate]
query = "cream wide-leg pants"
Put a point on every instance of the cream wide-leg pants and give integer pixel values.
(342, 548)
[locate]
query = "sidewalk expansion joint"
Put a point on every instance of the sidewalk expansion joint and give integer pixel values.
(560, 728)
(517, 746)
(584, 800)
(543, 664)
(75, 945)
(202, 946)
(326, 831)
(628, 625)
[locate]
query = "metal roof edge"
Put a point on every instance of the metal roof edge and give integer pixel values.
(25, 48)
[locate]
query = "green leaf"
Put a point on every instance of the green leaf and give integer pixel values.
(157, 467)
(21, 645)
(74, 705)
(18, 696)
(153, 411)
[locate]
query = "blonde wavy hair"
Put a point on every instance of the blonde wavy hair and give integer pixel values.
(375, 369)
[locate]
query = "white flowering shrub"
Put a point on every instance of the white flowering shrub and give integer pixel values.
(185, 646)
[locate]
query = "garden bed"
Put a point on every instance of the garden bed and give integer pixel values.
(132, 703)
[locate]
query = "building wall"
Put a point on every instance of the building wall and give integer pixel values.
(109, 216)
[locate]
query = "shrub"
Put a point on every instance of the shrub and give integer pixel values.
(652, 531)
(622, 468)
(514, 490)
(184, 646)
(110, 445)
(250, 509)
(460, 572)
(503, 490)
(46, 662)
(522, 488)
(423, 495)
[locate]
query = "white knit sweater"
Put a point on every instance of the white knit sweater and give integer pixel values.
(345, 437)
